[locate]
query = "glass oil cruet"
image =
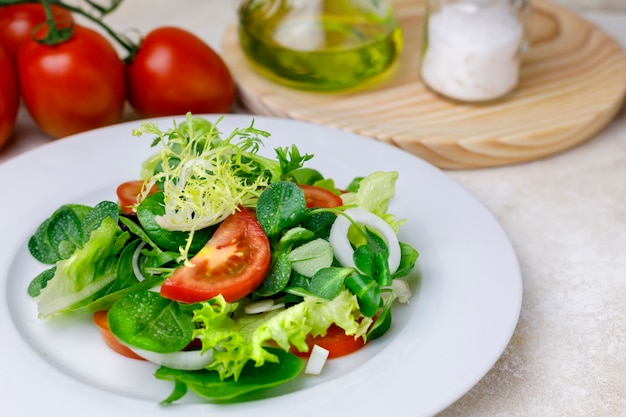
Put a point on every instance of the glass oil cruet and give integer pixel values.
(319, 44)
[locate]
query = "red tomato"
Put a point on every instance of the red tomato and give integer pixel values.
(127, 194)
(232, 263)
(320, 197)
(175, 72)
(74, 86)
(101, 320)
(18, 21)
(336, 341)
(9, 97)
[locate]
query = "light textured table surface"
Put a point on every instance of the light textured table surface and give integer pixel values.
(566, 217)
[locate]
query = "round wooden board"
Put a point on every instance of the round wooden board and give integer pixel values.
(572, 83)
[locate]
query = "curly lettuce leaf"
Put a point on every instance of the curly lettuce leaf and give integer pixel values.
(374, 193)
(237, 338)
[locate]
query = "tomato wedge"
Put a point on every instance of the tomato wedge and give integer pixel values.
(232, 263)
(127, 193)
(320, 197)
(336, 341)
(101, 320)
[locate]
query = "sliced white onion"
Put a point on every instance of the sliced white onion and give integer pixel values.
(135, 262)
(402, 290)
(185, 360)
(341, 245)
(262, 306)
(317, 360)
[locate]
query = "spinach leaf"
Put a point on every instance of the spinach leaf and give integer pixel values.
(306, 176)
(277, 277)
(65, 232)
(40, 281)
(280, 206)
(94, 217)
(148, 321)
(208, 384)
(319, 222)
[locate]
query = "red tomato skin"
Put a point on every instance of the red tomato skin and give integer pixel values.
(128, 192)
(336, 341)
(18, 21)
(320, 197)
(233, 263)
(102, 321)
(9, 97)
(175, 72)
(74, 86)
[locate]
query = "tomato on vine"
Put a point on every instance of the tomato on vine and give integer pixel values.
(9, 96)
(174, 72)
(18, 21)
(73, 83)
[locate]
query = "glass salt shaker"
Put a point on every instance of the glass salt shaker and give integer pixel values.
(472, 48)
(319, 44)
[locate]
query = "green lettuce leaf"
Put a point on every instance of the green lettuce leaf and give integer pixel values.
(374, 193)
(237, 338)
(88, 270)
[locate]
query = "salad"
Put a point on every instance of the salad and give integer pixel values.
(231, 271)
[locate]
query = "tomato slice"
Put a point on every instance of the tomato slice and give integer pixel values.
(336, 341)
(101, 320)
(232, 263)
(128, 192)
(320, 197)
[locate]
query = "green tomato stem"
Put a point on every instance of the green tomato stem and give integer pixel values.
(61, 33)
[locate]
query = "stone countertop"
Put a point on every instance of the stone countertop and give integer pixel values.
(566, 218)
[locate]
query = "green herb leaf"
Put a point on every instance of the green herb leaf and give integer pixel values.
(40, 281)
(328, 282)
(312, 256)
(306, 176)
(65, 232)
(146, 320)
(101, 211)
(277, 277)
(409, 256)
(209, 385)
(280, 206)
(367, 293)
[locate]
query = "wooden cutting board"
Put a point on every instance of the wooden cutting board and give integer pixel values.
(572, 83)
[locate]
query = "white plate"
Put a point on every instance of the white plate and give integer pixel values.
(468, 289)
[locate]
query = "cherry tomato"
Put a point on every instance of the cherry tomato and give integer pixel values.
(320, 197)
(175, 72)
(9, 97)
(73, 86)
(128, 192)
(18, 21)
(232, 263)
(336, 341)
(101, 320)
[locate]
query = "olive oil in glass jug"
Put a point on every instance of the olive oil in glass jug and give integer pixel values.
(319, 44)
